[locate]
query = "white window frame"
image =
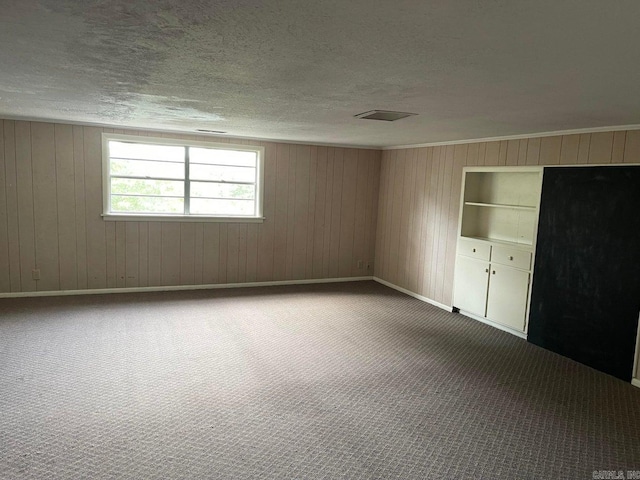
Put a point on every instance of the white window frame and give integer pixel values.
(119, 216)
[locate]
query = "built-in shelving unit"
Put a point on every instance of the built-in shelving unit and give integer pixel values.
(498, 222)
(501, 204)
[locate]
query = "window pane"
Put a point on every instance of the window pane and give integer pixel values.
(146, 152)
(201, 206)
(146, 204)
(222, 157)
(147, 187)
(220, 190)
(141, 168)
(149, 178)
(218, 173)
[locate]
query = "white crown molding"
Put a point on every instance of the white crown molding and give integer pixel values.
(212, 136)
(617, 128)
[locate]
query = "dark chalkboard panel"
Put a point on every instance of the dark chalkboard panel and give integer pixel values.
(585, 296)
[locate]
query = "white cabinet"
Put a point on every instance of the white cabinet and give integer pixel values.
(497, 230)
(472, 280)
(496, 289)
(507, 297)
(511, 257)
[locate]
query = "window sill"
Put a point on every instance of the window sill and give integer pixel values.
(118, 217)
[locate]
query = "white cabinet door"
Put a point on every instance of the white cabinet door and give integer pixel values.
(471, 281)
(507, 300)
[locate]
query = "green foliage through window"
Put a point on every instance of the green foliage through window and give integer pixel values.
(182, 180)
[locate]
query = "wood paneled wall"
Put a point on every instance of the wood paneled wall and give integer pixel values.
(420, 198)
(320, 205)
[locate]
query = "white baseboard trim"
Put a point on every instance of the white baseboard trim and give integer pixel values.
(635, 382)
(499, 326)
(413, 294)
(169, 288)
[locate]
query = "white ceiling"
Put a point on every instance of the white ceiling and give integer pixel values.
(299, 70)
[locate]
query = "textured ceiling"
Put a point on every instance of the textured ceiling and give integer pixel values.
(299, 70)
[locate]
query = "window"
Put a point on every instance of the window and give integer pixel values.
(158, 178)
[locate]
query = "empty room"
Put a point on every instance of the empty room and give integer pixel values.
(361, 239)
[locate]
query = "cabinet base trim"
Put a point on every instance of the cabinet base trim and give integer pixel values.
(635, 382)
(413, 294)
(499, 326)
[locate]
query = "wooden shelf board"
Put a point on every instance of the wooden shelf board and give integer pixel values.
(526, 246)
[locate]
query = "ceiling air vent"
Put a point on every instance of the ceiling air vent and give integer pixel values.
(384, 115)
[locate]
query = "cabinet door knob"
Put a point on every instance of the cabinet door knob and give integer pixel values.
(510, 257)
(474, 250)
(486, 270)
(493, 272)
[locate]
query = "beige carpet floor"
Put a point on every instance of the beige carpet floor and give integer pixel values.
(348, 380)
